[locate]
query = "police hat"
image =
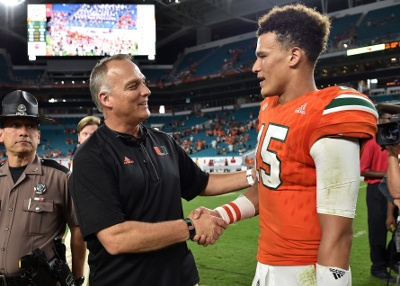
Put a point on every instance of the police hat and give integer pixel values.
(21, 104)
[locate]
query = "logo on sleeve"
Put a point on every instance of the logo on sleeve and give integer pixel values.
(128, 161)
(161, 152)
(264, 106)
(337, 273)
(301, 109)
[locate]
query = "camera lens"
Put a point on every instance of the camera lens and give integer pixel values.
(390, 134)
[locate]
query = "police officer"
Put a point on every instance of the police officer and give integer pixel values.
(35, 204)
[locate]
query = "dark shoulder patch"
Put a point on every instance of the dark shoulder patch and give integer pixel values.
(54, 164)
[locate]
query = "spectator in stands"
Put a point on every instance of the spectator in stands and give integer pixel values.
(251, 163)
(211, 165)
(306, 196)
(128, 184)
(246, 161)
(86, 128)
(199, 145)
(214, 143)
(230, 147)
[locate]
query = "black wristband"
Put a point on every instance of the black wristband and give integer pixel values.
(79, 281)
(192, 229)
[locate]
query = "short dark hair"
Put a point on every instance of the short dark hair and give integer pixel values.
(297, 26)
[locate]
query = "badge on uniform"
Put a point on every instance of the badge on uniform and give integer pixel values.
(40, 189)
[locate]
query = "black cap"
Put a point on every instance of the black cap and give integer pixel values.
(21, 104)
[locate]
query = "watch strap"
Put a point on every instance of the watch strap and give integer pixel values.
(192, 229)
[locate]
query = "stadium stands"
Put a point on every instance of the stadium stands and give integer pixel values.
(378, 24)
(226, 58)
(343, 29)
(230, 56)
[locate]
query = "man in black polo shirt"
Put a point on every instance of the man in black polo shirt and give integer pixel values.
(127, 186)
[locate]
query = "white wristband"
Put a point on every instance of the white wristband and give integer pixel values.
(241, 208)
(249, 177)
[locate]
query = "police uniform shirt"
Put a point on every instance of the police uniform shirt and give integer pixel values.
(33, 211)
(118, 177)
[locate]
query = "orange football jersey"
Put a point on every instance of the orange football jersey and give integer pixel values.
(290, 231)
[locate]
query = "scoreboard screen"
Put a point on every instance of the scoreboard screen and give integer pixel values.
(59, 30)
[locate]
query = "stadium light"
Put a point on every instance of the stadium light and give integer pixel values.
(162, 109)
(11, 2)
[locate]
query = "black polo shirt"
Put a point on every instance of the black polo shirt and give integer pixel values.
(118, 177)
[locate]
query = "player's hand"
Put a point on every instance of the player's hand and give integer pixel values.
(196, 213)
(208, 228)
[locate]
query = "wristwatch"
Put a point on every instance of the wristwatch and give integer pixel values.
(79, 281)
(249, 176)
(192, 229)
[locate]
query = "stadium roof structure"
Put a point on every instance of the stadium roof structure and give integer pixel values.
(180, 23)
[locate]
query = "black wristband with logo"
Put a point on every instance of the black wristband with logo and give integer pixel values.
(192, 229)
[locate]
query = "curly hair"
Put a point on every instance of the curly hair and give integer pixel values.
(297, 26)
(98, 77)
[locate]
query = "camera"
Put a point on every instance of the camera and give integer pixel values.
(388, 133)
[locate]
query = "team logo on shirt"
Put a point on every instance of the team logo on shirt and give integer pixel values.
(301, 109)
(128, 161)
(161, 152)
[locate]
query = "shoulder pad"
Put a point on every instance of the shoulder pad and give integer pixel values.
(54, 164)
(3, 162)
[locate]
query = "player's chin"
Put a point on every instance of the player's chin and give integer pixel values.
(265, 93)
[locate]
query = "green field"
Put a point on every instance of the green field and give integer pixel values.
(232, 260)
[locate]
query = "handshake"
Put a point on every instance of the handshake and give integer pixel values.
(208, 224)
